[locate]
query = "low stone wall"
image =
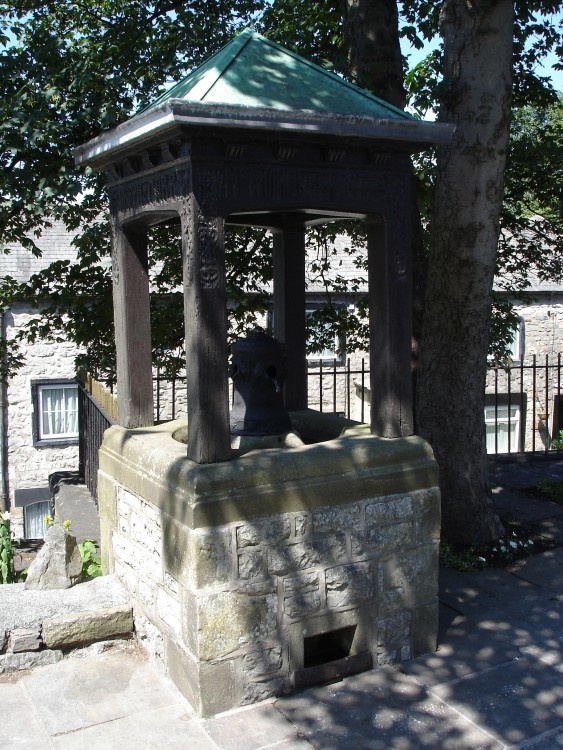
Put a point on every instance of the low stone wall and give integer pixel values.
(240, 571)
(38, 627)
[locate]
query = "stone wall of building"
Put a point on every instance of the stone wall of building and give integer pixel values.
(534, 391)
(29, 466)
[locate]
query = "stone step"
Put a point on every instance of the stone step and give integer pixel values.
(39, 627)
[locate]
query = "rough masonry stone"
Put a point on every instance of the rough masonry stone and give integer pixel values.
(58, 564)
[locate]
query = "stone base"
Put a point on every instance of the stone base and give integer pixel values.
(278, 567)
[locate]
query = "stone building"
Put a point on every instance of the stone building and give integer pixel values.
(40, 403)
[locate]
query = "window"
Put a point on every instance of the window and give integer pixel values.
(34, 519)
(502, 428)
(55, 411)
(516, 346)
(335, 343)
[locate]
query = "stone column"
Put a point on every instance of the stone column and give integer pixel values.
(205, 311)
(390, 301)
(289, 312)
(131, 302)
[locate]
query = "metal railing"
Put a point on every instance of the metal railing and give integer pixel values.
(525, 398)
(93, 421)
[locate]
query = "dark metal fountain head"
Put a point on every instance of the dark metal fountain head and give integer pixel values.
(258, 374)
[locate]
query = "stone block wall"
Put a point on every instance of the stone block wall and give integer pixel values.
(29, 466)
(230, 606)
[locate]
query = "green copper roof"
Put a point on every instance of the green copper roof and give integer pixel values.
(252, 71)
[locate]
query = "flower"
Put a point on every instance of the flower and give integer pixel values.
(67, 525)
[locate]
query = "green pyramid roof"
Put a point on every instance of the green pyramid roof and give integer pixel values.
(253, 71)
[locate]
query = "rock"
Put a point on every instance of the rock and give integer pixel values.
(28, 660)
(87, 627)
(58, 564)
(24, 639)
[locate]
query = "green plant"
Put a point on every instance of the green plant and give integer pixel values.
(91, 561)
(7, 572)
(50, 521)
(557, 443)
(518, 542)
(552, 489)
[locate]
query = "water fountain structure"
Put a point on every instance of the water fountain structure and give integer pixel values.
(256, 570)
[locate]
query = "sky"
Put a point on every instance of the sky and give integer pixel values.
(546, 68)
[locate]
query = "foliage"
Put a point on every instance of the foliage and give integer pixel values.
(71, 70)
(518, 543)
(7, 571)
(91, 561)
(50, 521)
(557, 442)
(552, 489)
(11, 356)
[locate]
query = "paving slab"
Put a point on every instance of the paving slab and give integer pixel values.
(514, 702)
(549, 741)
(463, 648)
(545, 569)
(515, 505)
(169, 727)
(381, 710)
(74, 503)
(254, 728)
(524, 474)
(19, 732)
(477, 593)
(550, 528)
(109, 687)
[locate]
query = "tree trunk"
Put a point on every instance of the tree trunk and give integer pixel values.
(465, 228)
(371, 41)
(375, 62)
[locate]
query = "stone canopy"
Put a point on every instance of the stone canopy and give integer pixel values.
(259, 136)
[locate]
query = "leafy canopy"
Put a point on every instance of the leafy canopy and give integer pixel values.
(70, 70)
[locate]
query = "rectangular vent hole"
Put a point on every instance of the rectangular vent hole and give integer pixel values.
(327, 647)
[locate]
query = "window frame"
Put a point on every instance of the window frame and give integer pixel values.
(500, 402)
(37, 387)
(339, 355)
(517, 349)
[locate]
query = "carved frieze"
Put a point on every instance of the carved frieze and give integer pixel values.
(151, 191)
(208, 252)
(202, 243)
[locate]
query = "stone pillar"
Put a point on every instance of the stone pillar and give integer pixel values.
(131, 302)
(390, 301)
(289, 312)
(205, 312)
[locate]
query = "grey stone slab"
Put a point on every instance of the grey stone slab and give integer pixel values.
(20, 728)
(551, 528)
(380, 710)
(523, 475)
(548, 741)
(170, 727)
(251, 728)
(463, 648)
(545, 569)
(298, 743)
(485, 591)
(73, 502)
(514, 702)
(518, 505)
(20, 608)
(93, 690)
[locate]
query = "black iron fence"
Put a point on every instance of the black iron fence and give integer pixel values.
(93, 421)
(523, 406)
